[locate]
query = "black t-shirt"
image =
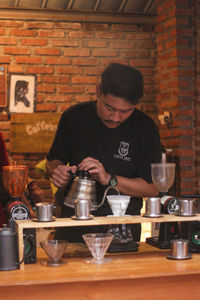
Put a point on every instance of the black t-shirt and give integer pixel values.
(127, 150)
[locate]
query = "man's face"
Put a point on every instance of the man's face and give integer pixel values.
(113, 110)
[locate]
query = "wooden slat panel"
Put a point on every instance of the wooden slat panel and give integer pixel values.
(32, 133)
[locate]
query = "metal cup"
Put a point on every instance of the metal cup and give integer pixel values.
(82, 208)
(153, 206)
(179, 248)
(44, 211)
(187, 207)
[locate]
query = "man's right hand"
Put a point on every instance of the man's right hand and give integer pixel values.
(61, 175)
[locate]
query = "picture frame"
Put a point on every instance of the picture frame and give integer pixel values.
(3, 86)
(22, 91)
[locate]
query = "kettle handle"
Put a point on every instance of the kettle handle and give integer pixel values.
(105, 193)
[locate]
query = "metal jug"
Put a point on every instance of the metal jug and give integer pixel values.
(83, 187)
(8, 249)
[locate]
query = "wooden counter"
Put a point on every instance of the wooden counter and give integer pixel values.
(68, 222)
(146, 274)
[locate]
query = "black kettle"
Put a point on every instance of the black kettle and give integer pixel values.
(8, 249)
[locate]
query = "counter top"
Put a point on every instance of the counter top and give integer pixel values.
(147, 264)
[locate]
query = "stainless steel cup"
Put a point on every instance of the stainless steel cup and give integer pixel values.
(44, 211)
(179, 248)
(153, 206)
(82, 208)
(187, 207)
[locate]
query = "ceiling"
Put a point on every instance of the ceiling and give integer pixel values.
(118, 6)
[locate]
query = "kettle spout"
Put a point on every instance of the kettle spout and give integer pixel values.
(110, 187)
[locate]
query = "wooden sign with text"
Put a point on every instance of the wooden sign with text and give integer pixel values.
(32, 133)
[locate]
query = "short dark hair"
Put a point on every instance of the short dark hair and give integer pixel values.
(122, 81)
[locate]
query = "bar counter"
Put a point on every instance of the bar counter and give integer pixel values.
(146, 274)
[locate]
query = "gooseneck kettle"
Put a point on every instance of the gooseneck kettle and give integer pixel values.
(84, 187)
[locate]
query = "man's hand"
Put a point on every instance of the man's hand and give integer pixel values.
(62, 175)
(96, 170)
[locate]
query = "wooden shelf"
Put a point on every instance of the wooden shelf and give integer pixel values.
(68, 222)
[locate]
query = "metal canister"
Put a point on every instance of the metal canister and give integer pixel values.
(187, 207)
(44, 211)
(82, 208)
(153, 207)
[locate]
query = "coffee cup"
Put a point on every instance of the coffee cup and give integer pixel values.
(179, 249)
(153, 207)
(44, 211)
(82, 208)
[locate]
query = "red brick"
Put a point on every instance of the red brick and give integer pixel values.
(84, 79)
(46, 107)
(7, 41)
(58, 98)
(109, 35)
(15, 24)
(47, 51)
(34, 42)
(56, 79)
(51, 33)
(77, 52)
(135, 53)
(15, 69)
(39, 25)
(124, 27)
(85, 61)
(124, 44)
(2, 31)
(70, 70)
(71, 89)
(22, 32)
(39, 70)
(81, 34)
(65, 43)
(46, 88)
(57, 61)
(18, 51)
(96, 43)
(93, 71)
(4, 59)
(28, 60)
(68, 25)
(95, 26)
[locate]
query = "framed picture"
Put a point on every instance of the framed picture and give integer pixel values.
(22, 93)
(3, 86)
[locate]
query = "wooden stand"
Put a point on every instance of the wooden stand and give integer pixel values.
(68, 222)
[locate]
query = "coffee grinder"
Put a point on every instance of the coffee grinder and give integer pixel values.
(15, 179)
(163, 175)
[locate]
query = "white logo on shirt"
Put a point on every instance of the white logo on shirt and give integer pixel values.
(123, 151)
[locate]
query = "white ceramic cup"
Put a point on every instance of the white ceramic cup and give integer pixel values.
(118, 204)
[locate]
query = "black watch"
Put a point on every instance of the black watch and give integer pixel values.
(113, 180)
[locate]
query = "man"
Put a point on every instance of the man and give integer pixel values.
(112, 140)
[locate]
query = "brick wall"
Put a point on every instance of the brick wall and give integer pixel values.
(177, 83)
(68, 59)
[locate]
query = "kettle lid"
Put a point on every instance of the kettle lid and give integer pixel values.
(6, 231)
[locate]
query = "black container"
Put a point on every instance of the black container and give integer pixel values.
(8, 249)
